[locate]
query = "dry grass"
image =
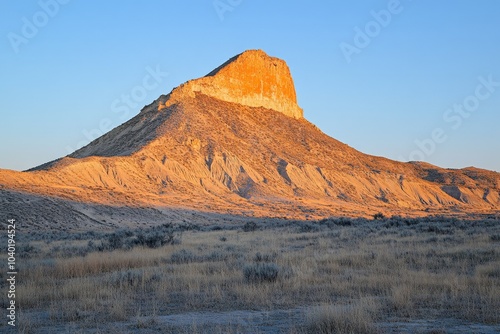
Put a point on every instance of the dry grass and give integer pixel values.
(350, 319)
(409, 271)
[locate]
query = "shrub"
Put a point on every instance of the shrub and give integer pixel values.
(132, 277)
(155, 239)
(27, 251)
(250, 227)
(183, 256)
(335, 319)
(216, 256)
(115, 241)
(264, 257)
(332, 222)
(67, 251)
(378, 216)
(495, 237)
(306, 228)
(261, 272)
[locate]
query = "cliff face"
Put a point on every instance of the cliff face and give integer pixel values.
(252, 79)
(235, 142)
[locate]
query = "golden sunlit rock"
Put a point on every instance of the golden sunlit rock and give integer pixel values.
(253, 79)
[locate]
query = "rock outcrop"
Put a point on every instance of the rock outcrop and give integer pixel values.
(251, 78)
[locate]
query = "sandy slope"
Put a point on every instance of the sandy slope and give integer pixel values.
(203, 147)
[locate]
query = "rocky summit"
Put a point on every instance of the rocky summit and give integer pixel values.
(236, 142)
(251, 79)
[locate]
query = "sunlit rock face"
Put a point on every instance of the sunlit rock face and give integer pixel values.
(251, 78)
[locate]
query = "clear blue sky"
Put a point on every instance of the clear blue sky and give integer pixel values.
(70, 73)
